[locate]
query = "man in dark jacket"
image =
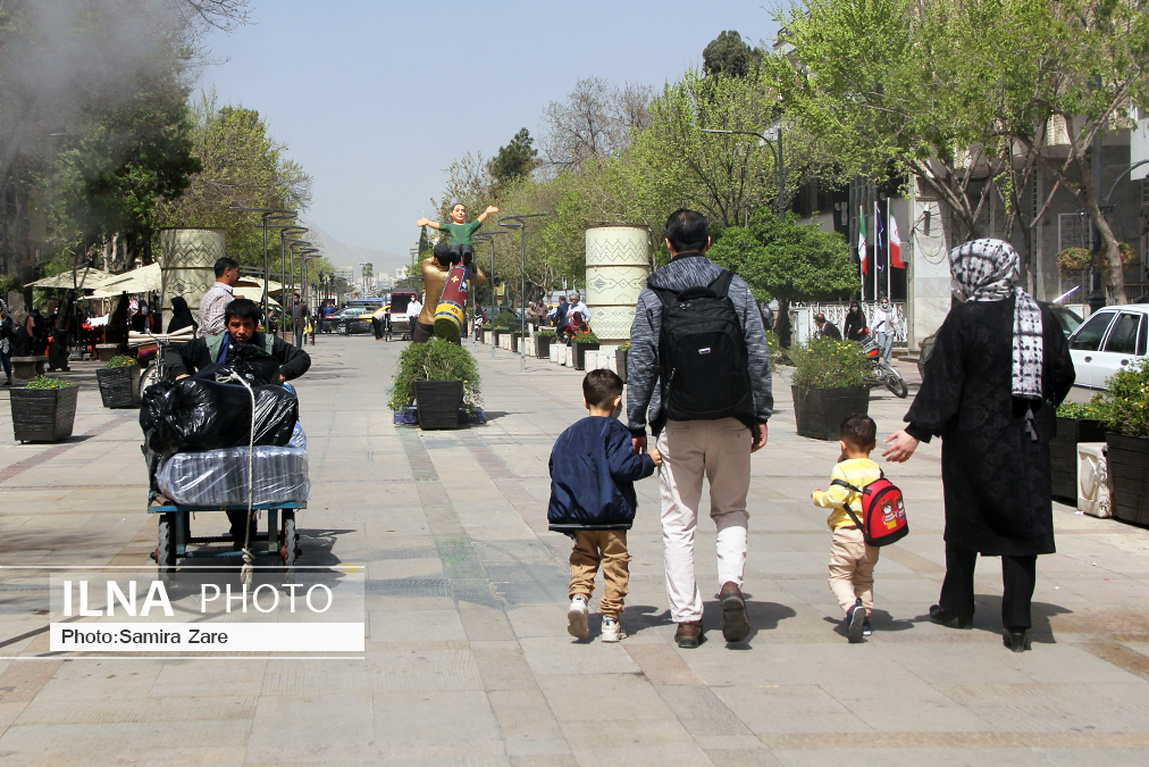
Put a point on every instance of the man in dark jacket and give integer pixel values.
(717, 449)
(593, 470)
(273, 359)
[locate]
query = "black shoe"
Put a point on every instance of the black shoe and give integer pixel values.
(1018, 641)
(855, 622)
(938, 615)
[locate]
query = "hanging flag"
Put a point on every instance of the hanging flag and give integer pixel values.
(862, 255)
(879, 256)
(895, 245)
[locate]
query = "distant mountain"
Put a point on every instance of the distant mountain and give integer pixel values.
(341, 255)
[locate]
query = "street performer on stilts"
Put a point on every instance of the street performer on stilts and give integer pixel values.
(447, 276)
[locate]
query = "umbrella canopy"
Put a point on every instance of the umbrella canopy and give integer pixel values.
(146, 279)
(85, 278)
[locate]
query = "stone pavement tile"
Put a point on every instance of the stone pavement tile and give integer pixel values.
(861, 754)
(484, 624)
(503, 666)
(564, 655)
(525, 718)
(946, 663)
(789, 709)
(110, 742)
(702, 712)
(138, 710)
(191, 678)
(557, 759)
(661, 663)
(453, 717)
(1058, 708)
(98, 679)
(907, 708)
(603, 696)
(625, 740)
(283, 722)
(729, 752)
(414, 669)
(382, 566)
(9, 712)
(405, 625)
(1063, 663)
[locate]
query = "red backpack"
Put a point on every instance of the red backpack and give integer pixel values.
(883, 511)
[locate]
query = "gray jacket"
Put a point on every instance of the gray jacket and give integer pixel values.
(688, 270)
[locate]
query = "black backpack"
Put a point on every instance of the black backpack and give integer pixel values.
(704, 365)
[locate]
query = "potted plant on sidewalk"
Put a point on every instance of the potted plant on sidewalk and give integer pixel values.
(1076, 422)
(440, 379)
(582, 342)
(543, 340)
(828, 384)
(1125, 405)
(119, 382)
(620, 359)
(44, 410)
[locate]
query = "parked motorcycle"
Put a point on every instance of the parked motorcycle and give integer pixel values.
(883, 373)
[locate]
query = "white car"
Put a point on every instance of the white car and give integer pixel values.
(1111, 339)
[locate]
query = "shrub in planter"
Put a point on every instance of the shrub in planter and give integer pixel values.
(44, 410)
(119, 382)
(828, 385)
(441, 361)
(1076, 422)
(620, 359)
(582, 342)
(543, 340)
(1125, 409)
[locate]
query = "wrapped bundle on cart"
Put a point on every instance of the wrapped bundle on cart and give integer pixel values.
(224, 435)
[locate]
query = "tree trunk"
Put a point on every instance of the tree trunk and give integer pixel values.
(782, 324)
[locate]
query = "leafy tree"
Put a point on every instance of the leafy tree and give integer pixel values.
(514, 161)
(728, 54)
(787, 261)
(242, 166)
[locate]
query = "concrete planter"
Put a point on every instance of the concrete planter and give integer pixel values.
(819, 412)
(43, 415)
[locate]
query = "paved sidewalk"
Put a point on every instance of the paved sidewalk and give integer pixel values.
(468, 661)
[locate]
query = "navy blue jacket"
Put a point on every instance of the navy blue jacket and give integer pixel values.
(592, 477)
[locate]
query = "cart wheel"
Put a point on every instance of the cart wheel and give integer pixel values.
(288, 543)
(166, 547)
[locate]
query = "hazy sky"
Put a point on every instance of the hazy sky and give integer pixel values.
(374, 99)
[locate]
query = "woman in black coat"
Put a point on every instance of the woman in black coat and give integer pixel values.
(855, 325)
(181, 316)
(999, 368)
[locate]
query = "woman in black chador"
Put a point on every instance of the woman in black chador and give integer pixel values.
(855, 326)
(999, 368)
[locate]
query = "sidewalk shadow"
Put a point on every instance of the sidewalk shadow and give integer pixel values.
(987, 617)
(882, 621)
(764, 616)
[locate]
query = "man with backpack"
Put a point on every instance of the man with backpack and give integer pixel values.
(699, 371)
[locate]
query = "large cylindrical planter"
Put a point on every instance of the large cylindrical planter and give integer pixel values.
(819, 412)
(187, 263)
(617, 265)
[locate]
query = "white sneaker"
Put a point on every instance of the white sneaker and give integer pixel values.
(612, 629)
(577, 617)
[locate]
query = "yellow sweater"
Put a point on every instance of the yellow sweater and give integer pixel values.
(859, 472)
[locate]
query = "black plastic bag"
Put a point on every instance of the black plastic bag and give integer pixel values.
(200, 414)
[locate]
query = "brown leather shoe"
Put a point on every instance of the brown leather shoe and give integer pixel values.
(689, 634)
(735, 623)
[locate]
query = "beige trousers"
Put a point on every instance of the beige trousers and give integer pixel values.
(607, 548)
(852, 563)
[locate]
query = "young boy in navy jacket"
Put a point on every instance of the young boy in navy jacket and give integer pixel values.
(593, 468)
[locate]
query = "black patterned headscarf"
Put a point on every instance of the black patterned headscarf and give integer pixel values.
(987, 270)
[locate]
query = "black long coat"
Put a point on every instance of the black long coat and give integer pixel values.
(996, 477)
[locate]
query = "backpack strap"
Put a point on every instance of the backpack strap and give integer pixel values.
(721, 283)
(859, 491)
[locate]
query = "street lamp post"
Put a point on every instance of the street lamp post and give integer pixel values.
(773, 134)
(521, 225)
(488, 237)
(284, 233)
(305, 255)
(278, 214)
(289, 289)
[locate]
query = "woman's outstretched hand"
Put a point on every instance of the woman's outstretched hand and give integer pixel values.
(903, 447)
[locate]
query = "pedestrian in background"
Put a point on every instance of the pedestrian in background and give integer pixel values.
(884, 328)
(855, 325)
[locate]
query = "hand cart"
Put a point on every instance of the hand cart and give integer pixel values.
(280, 538)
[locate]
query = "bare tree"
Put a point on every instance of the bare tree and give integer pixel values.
(595, 121)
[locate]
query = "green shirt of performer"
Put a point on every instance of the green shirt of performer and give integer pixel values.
(458, 227)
